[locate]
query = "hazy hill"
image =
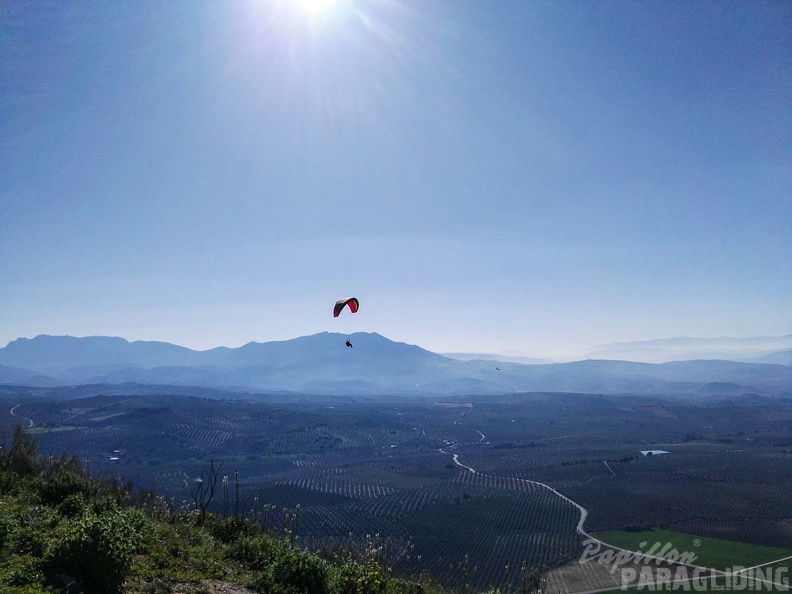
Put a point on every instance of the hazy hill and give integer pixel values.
(321, 364)
(664, 350)
(54, 353)
(502, 357)
(25, 377)
(778, 357)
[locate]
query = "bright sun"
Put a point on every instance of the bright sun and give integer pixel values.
(317, 7)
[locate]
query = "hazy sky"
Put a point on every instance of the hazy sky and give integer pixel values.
(539, 176)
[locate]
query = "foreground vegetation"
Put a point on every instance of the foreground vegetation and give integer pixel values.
(62, 531)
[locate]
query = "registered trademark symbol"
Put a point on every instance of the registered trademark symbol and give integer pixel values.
(696, 542)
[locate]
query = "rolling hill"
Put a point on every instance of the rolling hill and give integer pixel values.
(321, 364)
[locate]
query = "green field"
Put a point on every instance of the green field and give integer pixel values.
(40, 430)
(710, 552)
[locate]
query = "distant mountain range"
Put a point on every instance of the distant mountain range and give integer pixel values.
(502, 357)
(758, 349)
(321, 364)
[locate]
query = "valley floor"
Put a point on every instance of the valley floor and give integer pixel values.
(475, 496)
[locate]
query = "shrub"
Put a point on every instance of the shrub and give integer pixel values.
(74, 505)
(103, 505)
(97, 550)
(232, 529)
(28, 575)
(356, 578)
(8, 524)
(255, 552)
(61, 485)
(28, 540)
(22, 458)
(294, 572)
(398, 586)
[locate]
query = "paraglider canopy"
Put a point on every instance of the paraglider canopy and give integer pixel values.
(352, 302)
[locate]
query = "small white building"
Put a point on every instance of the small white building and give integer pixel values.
(654, 452)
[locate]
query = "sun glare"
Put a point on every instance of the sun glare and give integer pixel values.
(317, 7)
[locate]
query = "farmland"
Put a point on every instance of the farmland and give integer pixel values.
(470, 490)
(709, 552)
(739, 567)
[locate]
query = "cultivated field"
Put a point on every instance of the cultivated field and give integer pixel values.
(475, 491)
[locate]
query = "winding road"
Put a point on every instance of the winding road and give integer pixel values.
(583, 511)
(637, 555)
(457, 462)
(13, 414)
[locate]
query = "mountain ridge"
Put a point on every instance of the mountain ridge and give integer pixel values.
(320, 363)
(687, 348)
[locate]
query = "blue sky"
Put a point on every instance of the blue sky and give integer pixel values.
(538, 176)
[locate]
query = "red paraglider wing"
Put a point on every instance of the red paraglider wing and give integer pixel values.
(352, 302)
